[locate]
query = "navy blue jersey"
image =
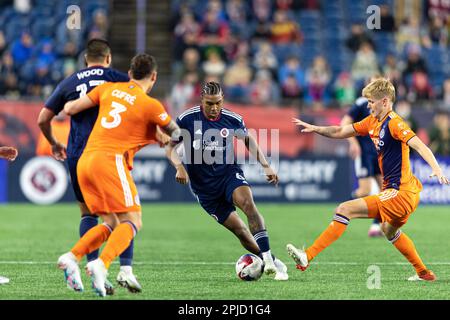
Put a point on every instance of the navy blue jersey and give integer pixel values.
(73, 87)
(358, 112)
(209, 148)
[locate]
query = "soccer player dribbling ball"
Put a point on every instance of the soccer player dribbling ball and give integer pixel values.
(127, 121)
(400, 193)
(10, 154)
(219, 184)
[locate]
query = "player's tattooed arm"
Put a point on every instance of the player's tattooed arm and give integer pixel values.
(336, 132)
(429, 157)
(44, 122)
(254, 149)
(174, 131)
(78, 105)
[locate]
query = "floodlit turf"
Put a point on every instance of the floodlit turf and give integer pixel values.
(182, 253)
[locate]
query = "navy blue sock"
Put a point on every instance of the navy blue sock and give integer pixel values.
(126, 258)
(262, 239)
(87, 222)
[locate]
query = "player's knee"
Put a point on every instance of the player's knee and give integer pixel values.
(345, 210)
(247, 205)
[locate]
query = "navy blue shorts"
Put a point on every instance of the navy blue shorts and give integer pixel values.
(220, 206)
(72, 164)
(367, 166)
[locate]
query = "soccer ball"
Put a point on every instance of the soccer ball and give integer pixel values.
(249, 267)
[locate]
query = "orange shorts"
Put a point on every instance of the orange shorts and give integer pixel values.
(392, 206)
(106, 183)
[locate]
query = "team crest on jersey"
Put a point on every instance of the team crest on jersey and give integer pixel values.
(224, 132)
(163, 116)
(382, 133)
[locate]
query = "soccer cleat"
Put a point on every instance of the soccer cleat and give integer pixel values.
(3, 280)
(68, 263)
(126, 279)
(428, 276)
(109, 288)
(269, 266)
(299, 255)
(97, 271)
(281, 270)
(375, 230)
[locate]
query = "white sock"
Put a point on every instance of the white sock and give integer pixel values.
(267, 256)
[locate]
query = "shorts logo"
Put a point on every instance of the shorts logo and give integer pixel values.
(215, 217)
(382, 133)
(163, 116)
(224, 132)
(240, 177)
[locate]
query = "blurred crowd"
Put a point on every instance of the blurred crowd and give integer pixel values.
(37, 49)
(309, 53)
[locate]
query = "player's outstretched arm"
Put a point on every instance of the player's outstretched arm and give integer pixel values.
(354, 147)
(78, 105)
(8, 153)
(254, 149)
(336, 132)
(44, 122)
(173, 130)
(428, 156)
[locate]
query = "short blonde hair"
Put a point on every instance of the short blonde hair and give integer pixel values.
(379, 89)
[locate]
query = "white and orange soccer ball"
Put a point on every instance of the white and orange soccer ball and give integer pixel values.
(249, 267)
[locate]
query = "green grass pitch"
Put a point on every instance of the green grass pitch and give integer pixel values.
(182, 253)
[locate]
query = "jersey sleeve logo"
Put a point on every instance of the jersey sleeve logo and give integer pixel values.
(382, 133)
(163, 116)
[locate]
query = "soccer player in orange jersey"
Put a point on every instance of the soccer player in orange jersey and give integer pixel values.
(8, 153)
(400, 193)
(127, 121)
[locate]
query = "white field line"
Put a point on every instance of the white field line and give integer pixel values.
(193, 263)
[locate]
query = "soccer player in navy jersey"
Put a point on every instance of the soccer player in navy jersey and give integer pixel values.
(207, 133)
(10, 154)
(363, 152)
(98, 71)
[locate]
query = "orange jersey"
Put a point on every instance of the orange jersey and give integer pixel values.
(390, 136)
(127, 118)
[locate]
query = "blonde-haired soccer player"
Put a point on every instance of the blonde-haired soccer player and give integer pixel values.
(8, 153)
(400, 193)
(127, 121)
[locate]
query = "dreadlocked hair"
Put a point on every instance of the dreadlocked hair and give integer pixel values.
(211, 88)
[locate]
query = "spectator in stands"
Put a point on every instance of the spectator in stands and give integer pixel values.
(403, 109)
(8, 77)
(2, 43)
(365, 64)
(439, 134)
(99, 29)
(387, 22)
(262, 9)
(190, 63)
(237, 80)
(236, 47)
(414, 63)
(42, 83)
(22, 49)
(420, 88)
(265, 59)
(183, 93)
(237, 11)
(318, 77)
(214, 65)
(436, 34)
(46, 54)
(357, 37)
(186, 33)
(408, 33)
(446, 94)
(65, 35)
(216, 7)
(391, 70)
(284, 31)
(345, 89)
(260, 31)
(292, 78)
(213, 32)
(264, 90)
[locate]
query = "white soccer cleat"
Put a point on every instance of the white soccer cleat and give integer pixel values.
(97, 271)
(3, 280)
(68, 263)
(269, 266)
(299, 255)
(126, 279)
(428, 276)
(281, 270)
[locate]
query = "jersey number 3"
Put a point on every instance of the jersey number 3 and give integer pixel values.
(115, 114)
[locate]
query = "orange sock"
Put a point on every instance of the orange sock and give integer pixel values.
(117, 243)
(331, 234)
(91, 240)
(405, 245)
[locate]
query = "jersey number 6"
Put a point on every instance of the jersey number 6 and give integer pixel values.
(114, 113)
